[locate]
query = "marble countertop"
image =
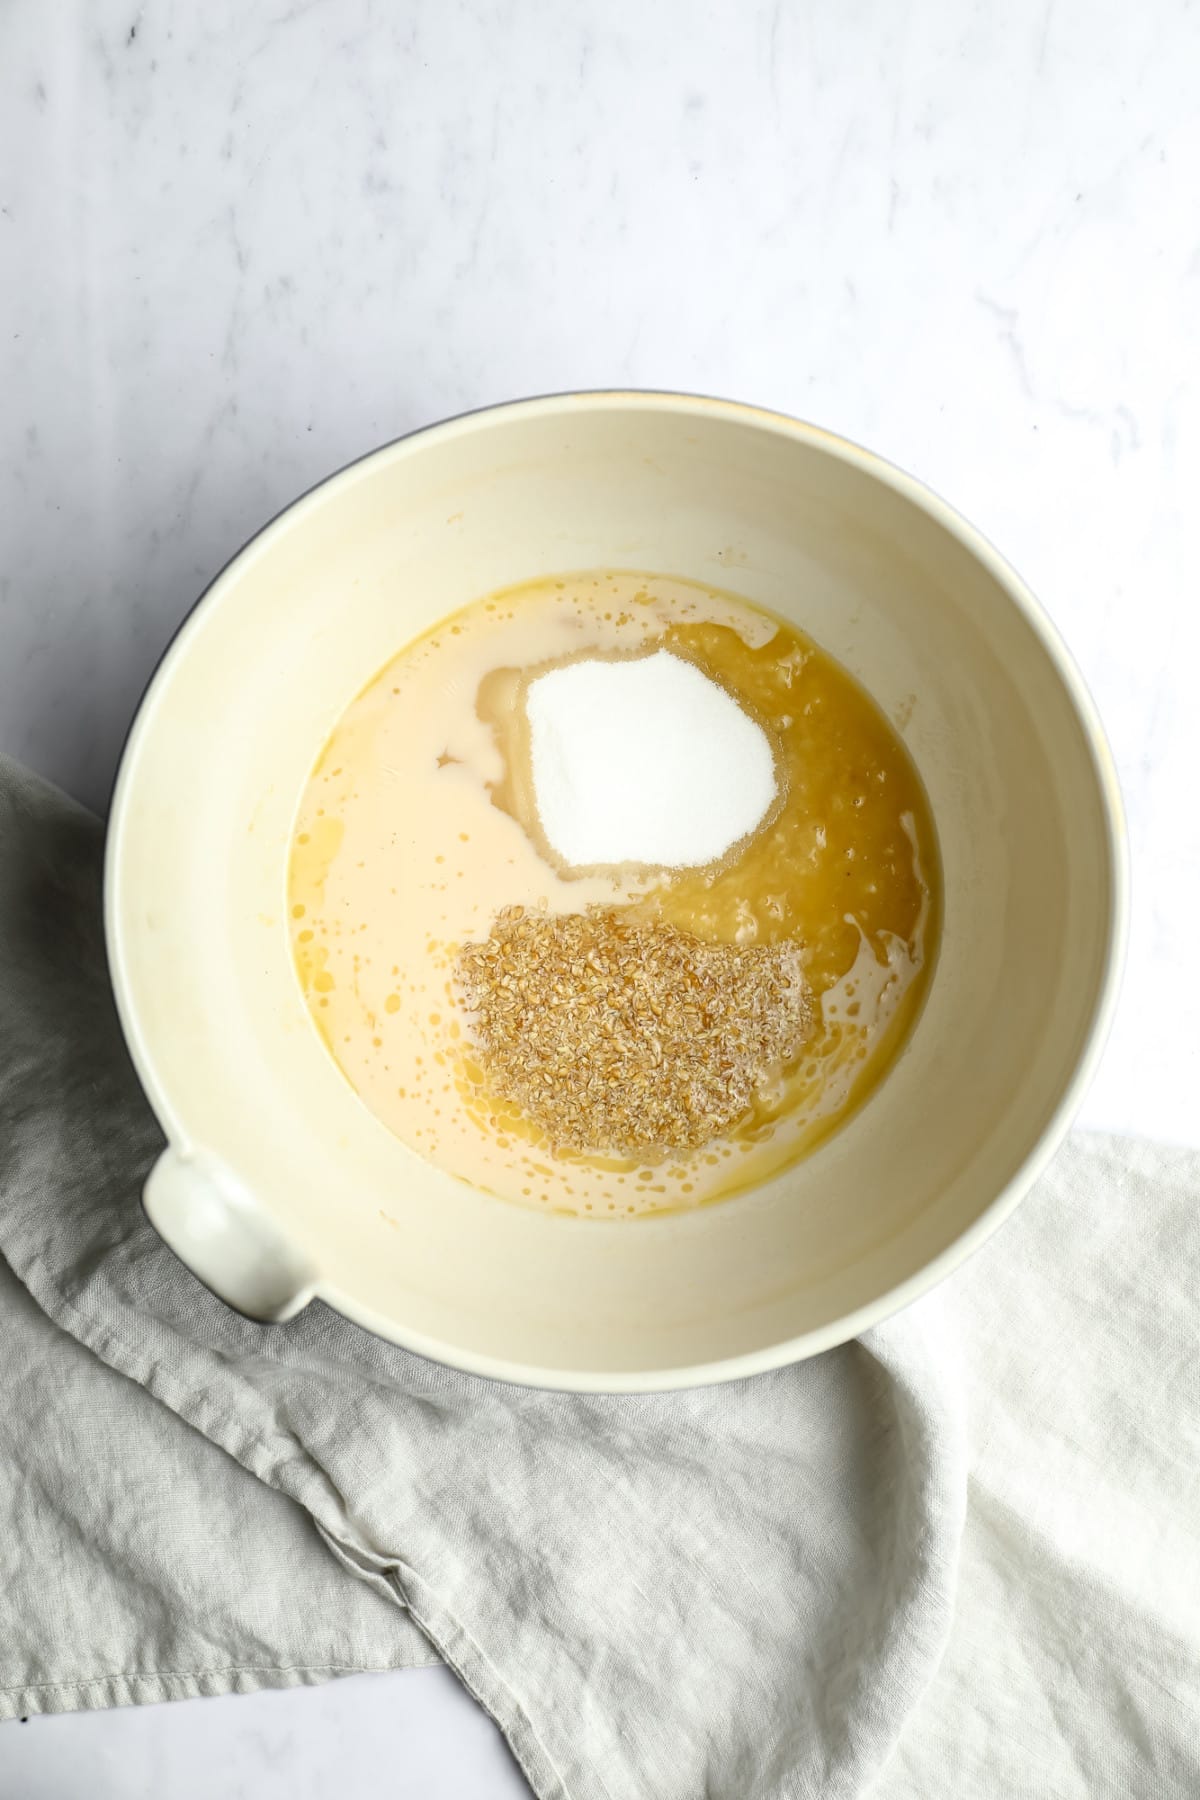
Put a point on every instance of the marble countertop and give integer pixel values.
(245, 243)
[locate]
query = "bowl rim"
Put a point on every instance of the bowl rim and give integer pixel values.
(927, 500)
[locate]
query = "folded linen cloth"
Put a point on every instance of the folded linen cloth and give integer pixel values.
(740, 1591)
(138, 1562)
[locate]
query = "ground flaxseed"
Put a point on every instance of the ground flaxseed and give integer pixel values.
(629, 1038)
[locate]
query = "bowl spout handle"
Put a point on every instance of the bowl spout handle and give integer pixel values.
(215, 1225)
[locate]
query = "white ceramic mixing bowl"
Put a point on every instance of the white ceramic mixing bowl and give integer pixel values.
(277, 1179)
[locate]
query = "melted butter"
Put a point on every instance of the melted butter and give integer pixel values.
(418, 824)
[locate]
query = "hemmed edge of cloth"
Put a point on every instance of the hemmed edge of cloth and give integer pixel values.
(101, 1692)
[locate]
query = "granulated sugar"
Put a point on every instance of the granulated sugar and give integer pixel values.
(645, 761)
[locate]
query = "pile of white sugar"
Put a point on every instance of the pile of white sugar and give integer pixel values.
(644, 761)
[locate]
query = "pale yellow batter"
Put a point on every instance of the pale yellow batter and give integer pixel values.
(417, 826)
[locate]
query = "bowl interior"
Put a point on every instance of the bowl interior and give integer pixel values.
(885, 580)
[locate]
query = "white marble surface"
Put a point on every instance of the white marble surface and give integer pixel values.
(245, 242)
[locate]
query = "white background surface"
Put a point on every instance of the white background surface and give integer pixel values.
(244, 243)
